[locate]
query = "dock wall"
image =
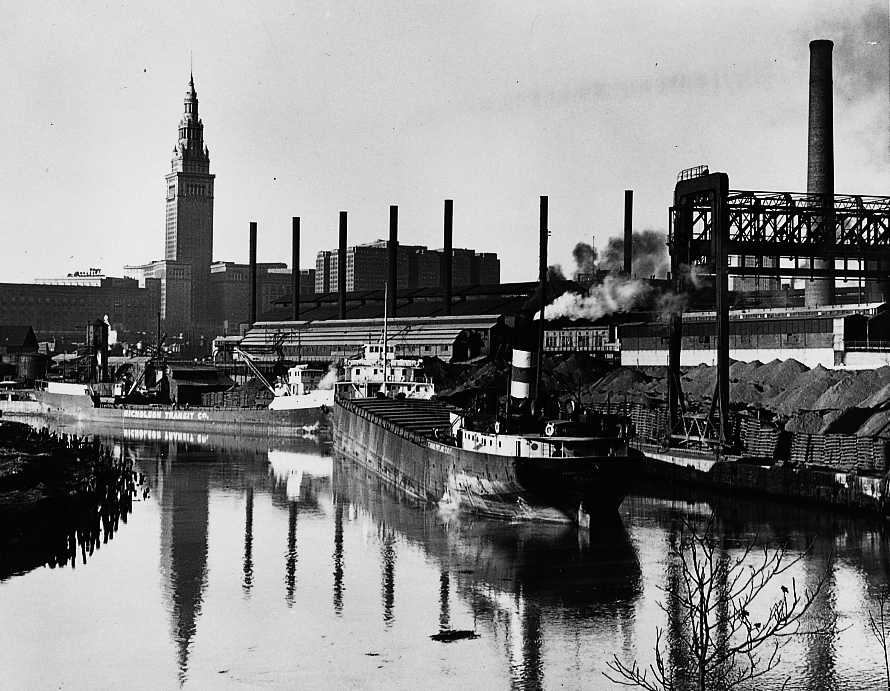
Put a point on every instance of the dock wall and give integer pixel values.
(868, 493)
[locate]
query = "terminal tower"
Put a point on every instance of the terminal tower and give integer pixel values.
(189, 237)
(182, 278)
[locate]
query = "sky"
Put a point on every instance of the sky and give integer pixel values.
(310, 109)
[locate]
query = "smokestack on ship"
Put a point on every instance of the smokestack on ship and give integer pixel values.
(820, 163)
(523, 381)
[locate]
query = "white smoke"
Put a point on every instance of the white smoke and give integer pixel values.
(615, 294)
(695, 275)
(330, 379)
(669, 304)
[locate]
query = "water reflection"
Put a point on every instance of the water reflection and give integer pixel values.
(189, 468)
(186, 469)
(281, 566)
(846, 554)
(41, 523)
(183, 497)
(517, 578)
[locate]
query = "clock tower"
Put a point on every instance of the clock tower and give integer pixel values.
(189, 237)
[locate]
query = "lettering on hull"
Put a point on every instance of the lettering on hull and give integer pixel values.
(166, 414)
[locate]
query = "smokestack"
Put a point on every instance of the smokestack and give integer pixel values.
(393, 248)
(628, 230)
(252, 273)
(523, 378)
(341, 266)
(446, 258)
(295, 273)
(820, 162)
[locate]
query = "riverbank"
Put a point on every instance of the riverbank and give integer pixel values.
(59, 494)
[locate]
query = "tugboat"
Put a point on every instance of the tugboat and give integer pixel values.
(537, 461)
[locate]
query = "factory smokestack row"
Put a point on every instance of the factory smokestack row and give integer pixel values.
(341, 266)
(393, 251)
(820, 161)
(295, 274)
(525, 356)
(252, 272)
(628, 231)
(446, 258)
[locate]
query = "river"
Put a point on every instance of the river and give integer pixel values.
(257, 564)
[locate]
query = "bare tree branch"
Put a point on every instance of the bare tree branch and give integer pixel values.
(714, 641)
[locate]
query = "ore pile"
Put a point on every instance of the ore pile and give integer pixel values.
(782, 411)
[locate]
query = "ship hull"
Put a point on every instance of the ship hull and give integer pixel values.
(563, 490)
(252, 421)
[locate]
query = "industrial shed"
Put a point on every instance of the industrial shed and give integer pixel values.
(836, 337)
(185, 382)
(453, 339)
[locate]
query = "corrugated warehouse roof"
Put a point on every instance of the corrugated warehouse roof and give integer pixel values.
(265, 337)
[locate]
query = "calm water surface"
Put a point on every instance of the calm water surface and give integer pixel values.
(256, 564)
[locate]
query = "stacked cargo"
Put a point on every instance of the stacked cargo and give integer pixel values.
(238, 398)
(758, 438)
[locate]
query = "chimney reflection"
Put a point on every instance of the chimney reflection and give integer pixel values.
(821, 654)
(290, 568)
(388, 559)
(444, 600)
(338, 555)
(531, 673)
(248, 545)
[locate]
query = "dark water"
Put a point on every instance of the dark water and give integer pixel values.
(259, 564)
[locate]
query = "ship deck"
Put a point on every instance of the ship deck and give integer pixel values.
(415, 416)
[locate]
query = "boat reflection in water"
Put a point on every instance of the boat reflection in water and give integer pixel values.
(522, 580)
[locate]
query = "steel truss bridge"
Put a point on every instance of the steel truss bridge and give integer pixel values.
(721, 232)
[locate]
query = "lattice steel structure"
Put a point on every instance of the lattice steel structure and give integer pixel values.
(783, 231)
(719, 232)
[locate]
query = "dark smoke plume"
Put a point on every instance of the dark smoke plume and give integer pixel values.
(585, 258)
(860, 52)
(650, 254)
(554, 271)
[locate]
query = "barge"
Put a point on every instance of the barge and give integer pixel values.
(427, 450)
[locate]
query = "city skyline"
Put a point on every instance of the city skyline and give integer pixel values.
(310, 111)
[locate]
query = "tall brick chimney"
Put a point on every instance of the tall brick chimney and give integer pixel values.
(820, 162)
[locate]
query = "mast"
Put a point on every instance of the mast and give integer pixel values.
(543, 277)
(385, 322)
